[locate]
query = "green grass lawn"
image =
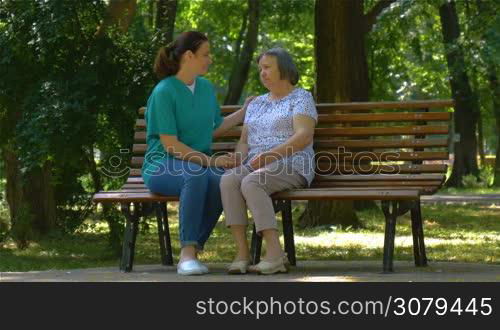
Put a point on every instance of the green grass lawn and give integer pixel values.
(452, 232)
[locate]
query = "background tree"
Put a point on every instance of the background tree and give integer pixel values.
(341, 76)
(244, 57)
(166, 13)
(55, 113)
(466, 104)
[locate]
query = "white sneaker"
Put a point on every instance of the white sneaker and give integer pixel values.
(191, 267)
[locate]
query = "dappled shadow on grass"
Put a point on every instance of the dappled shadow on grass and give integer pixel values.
(445, 226)
(61, 252)
(478, 252)
(353, 252)
(461, 218)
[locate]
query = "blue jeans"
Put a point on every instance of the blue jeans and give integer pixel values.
(199, 194)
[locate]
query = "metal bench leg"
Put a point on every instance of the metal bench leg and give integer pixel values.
(129, 237)
(418, 235)
(255, 247)
(161, 234)
(414, 231)
(164, 234)
(390, 234)
(286, 213)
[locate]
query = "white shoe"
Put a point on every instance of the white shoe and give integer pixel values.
(238, 267)
(191, 267)
(268, 267)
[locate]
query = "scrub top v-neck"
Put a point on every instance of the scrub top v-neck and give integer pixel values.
(173, 109)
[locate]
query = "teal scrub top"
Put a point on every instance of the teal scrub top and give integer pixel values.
(173, 109)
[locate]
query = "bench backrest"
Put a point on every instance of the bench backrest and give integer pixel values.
(361, 145)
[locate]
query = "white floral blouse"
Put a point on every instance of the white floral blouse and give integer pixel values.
(270, 123)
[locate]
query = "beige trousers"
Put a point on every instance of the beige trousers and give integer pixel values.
(242, 189)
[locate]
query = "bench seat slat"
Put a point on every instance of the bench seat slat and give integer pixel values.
(302, 194)
(422, 190)
(376, 183)
(357, 178)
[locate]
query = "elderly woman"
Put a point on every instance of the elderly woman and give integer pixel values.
(276, 145)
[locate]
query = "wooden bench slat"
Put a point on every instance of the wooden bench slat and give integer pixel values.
(308, 194)
(140, 124)
(359, 178)
(382, 143)
(140, 148)
(382, 131)
(134, 186)
(383, 117)
(422, 190)
(140, 136)
(365, 156)
(125, 197)
(363, 169)
(423, 104)
(364, 106)
(315, 194)
(377, 177)
(320, 145)
(376, 183)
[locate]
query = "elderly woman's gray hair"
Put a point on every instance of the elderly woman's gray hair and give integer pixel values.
(286, 66)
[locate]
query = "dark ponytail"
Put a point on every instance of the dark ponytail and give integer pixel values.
(168, 58)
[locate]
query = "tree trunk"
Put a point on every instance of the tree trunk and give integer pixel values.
(495, 90)
(241, 35)
(151, 14)
(341, 76)
(39, 195)
(108, 210)
(341, 65)
(475, 90)
(466, 105)
(20, 231)
(483, 9)
(480, 140)
(119, 13)
(166, 12)
(30, 197)
(239, 73)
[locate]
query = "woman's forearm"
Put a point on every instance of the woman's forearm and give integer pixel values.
(181, 151)
(229, 122)
(241, 150)
(295, 143)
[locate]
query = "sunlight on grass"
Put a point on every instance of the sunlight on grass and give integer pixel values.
(452, 233)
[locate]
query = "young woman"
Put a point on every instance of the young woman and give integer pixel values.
(182, 117)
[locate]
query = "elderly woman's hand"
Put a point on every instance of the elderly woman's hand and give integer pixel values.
(263, 159)
(237, 157)
(225, 161)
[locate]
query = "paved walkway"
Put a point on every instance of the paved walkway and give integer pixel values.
(306, 271)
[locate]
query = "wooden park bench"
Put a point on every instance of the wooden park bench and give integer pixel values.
(380, 151)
